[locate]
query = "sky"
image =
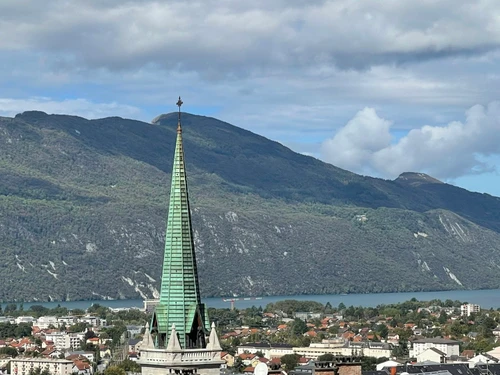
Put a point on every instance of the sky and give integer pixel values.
(378, 87)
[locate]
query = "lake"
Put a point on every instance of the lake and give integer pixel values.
(489, 298)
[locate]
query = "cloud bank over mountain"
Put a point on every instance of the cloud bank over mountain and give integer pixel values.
(365, 145)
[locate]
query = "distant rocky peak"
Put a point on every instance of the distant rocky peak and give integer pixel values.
(414, 178)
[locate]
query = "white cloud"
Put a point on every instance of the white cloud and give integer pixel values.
(354, 145)
(78, 107)
(445, 152)
(224, 39)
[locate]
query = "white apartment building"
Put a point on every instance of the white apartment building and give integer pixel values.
(269, 350)
(25, 319)
(63, 340)
(448, 347)
(75, 339)
(469, 308)
(44, 322)
(67, 320)
(366, 348)
(60, 340)
(23, 366)
(94, 321)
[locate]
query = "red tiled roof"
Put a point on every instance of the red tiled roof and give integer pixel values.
(81, 365)
(247, 356)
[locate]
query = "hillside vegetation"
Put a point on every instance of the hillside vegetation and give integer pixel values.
(83, 207)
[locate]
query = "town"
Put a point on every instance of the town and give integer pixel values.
(287, 336)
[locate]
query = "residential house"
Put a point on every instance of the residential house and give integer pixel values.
(307, 315)
(104, 351)
(388, 364)
(23, 344)
(228, 358)
(51, 352)
(81, 368)
(249, 359)
(134, 330)
(431, 355)
(496, 332)
(483, 358)
(94, 341)
(80, 354)
(468, 354)
(132, 345)
(449, 347)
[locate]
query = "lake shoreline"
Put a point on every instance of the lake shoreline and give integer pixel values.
(486, 298)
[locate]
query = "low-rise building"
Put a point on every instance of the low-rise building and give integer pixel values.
(134, 330)
(90, 356)
(23, 366)
(45, 322)
(431, 355)
(267, 349)
(67, 320)
(25, 319)
(449, 347)
(92, 320)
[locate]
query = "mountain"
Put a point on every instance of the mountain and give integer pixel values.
(83, 206)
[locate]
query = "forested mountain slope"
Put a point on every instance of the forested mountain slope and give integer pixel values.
(83, 208)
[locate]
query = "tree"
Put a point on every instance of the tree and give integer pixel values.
(129, 365)
(238, 363)
(259, 354)
(443, 317)
(10, 308)
(77, 312)
(327, 357)
(299, 327)
(77, 327)
(382, 330)
(114, 370)
(89, 335)
(401, 351)
(39, 371)
(290, 361)
(328, 308)
(10, 351)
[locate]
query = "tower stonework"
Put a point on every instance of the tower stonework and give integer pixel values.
(176, 341)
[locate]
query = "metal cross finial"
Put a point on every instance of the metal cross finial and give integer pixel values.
(179, 103)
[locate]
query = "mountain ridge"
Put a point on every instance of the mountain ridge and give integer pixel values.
(87, 201)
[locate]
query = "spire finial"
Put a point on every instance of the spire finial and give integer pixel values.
(179, 103)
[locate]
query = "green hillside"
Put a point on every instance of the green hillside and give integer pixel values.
(83, 206)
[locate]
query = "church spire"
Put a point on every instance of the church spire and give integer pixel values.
(180, 303)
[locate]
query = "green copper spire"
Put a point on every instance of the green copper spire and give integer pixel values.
(180, 309)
